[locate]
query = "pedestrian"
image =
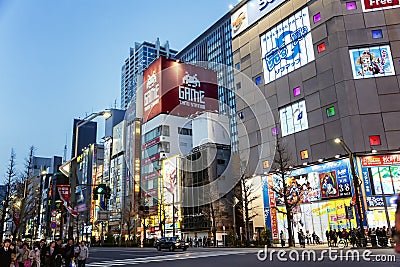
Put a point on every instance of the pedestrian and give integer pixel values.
(82, 254)
(34, 256)
(23, 260)
(308, 237)
(282, 237)
(58, 251)
(373, 237)
(5, 254)
(301, 237)
(42, 249)
(328, 237)
(50, 255)
(69, 252)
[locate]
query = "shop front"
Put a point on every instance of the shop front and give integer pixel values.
(381, 184)
(324, 196)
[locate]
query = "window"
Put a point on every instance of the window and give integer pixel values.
(160, 130)
(220, 161)
(184, 131)
(375, 140)
(241, 115)
(258, 80)
(317, 17)
(237, 66)
(330, 112)
(275, 131)
(351, 5)
(321, 47)
(238, 85)
(377, 34)
(304, 154)
(296, 91)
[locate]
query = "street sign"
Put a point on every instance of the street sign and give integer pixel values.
(103, 216)
(349, 213)
(53, 225)
(54, 213)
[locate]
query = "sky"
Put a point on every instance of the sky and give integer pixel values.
(61, 60)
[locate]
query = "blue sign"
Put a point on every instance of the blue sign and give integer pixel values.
(287, 46)
(53, 225)
(377, 201)
(267, 212)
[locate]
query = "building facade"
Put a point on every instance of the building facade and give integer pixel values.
(215, 46)
(327, 69)
(140, 57)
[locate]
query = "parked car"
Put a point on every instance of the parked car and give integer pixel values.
(170, 243)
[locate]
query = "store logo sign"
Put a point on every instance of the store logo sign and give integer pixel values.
(152, 96)
(372, 5)
(190, 93)
(262, 4)
(287, 47)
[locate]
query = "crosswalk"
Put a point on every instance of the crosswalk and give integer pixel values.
(164, 258)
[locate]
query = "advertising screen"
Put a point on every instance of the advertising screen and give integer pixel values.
(371, 62)
(329, 185)
(180, 89)
(373, 5)
(287, 46)
(293, 118)
(251, 12)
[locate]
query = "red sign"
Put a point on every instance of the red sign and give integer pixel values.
(387, 160)
(17, 217)
(371, 5)
(151, 159)
(178, 89)
(64, 192)
(151, 143)
(272, 204)
(151, 175)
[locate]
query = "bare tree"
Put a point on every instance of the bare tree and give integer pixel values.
(288, 193)
(128, 217)
(10, 175)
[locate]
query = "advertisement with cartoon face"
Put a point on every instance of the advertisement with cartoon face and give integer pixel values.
(329, 186)
(371, 62)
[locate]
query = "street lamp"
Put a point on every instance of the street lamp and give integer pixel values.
(106, 114)
(356, 183)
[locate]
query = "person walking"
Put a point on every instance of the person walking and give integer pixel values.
(23, 258)
(34, 256)
(328, 237)
(5, 254)
(50, 256)
(42, 249)
(82, 254)
(282, 237)
(69, 252)
(58, 253)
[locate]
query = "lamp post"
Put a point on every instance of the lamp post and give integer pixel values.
(356, 182)
(106, 114)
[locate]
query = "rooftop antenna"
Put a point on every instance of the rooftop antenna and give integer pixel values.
(65, 149)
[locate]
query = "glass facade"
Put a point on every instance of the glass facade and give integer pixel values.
(140, 57)
(215, 46)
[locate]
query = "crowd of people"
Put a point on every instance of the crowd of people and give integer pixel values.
(54, 254)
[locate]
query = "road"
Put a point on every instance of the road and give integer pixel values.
(221, 257)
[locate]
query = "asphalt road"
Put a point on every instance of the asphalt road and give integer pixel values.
(221, 257)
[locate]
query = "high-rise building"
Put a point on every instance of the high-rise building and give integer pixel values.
(86, 135)
(215, 46)
(140, 57)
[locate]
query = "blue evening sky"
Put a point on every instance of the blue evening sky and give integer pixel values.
(62, 59)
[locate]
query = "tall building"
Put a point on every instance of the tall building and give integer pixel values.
(215, 45)
(86, 135)
(140, 57)
(327, 69)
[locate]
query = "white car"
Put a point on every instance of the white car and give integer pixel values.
(191, 80)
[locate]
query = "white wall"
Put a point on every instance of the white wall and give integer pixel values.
(211, 128)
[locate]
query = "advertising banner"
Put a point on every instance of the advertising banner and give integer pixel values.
(371, 62)
(171, 179)
(293, 118)
(287, 46)
(251, 12)
(329, 186)
(118, 138)
(387, 160)
(270, 207)
(373, 5)
(179, 89)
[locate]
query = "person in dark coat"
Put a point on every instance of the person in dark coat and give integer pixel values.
(5, 254)
(69, 252)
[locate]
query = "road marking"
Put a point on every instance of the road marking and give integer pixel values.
(171, 257)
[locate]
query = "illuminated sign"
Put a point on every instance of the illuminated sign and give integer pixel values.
(251, 12)
(372, 5)
(371, 62)
(293, 118)
(387, 160)
(178, 89)
(287, 46)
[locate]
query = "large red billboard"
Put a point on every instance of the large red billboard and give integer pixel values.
(371, 5)
(179, 89)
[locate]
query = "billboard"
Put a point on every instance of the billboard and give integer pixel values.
(293, 118)
(373, 5)
(287, 46)
(371, 62)
(251, 12)
(118, 138)
(387, 160)
(170, 179)
(179, 89)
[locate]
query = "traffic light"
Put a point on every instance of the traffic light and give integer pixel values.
(107, 192)
(99, 190)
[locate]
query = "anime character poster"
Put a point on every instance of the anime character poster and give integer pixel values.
(329, 186)
(371, 62)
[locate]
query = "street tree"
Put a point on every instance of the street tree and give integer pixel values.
(10, 177)
(128, 219)
(282, 187)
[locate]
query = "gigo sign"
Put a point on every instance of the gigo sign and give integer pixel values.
(372, 5)
(287, 46)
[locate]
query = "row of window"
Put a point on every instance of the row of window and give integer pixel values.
(160, 130)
